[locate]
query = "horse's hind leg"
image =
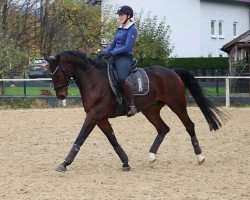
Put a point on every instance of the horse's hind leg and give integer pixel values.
(153, 116)
(106, 128)
(181, 112)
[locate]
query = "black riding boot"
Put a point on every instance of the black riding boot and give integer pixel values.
(127, 91)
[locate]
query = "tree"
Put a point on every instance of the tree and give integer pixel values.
(78, 25)
(153, 43)
(9, 55)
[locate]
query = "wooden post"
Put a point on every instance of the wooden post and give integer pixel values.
(248, 60)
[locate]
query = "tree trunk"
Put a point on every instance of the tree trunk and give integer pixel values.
(44, 17)
(52, 30)
(4, 24)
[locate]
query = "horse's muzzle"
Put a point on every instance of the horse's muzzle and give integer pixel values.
(62, 97)
(62, 94)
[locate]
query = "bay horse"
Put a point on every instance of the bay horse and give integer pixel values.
(167, 87)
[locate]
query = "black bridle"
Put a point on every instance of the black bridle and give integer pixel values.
(67, 76)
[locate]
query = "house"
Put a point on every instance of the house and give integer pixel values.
(239, 61)
(239, 50)
(198, 27)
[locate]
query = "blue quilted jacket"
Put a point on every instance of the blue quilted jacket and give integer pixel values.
(123, 41)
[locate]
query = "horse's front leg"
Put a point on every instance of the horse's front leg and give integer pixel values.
(106, 128)
(87, 127)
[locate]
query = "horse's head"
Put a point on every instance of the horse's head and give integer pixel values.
(60, 75)
(64, 66)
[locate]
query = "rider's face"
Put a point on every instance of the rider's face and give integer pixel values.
(122, 18)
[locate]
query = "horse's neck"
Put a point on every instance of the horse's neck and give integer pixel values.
(89, 79)
(92, 86)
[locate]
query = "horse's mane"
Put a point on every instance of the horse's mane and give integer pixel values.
(83, 56)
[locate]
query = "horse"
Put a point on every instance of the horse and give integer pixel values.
(167, 87)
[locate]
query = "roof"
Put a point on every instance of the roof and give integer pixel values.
(244, 38)
(246, 1)
(243, 2)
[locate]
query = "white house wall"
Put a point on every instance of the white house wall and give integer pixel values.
(190, 20)
(228, 13)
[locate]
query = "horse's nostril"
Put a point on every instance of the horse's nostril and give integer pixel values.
(62, 97)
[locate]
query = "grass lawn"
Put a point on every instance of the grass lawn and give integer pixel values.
(211, 91)
(36, 91)
(73, 91)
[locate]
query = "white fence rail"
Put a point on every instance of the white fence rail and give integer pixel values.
(27, 80)
(227, 83)
(226, 79)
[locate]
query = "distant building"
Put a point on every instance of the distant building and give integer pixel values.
(239, 50)
(239, 60)
(199, 27)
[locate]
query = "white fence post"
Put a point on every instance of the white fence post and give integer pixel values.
(64, 103)
(227, 92)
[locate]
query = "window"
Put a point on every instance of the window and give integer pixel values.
(210, 54)
(235, 29)
(213, 28)
(221, 29)
(220, 55)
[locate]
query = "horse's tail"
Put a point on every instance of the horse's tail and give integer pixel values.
(212, 114)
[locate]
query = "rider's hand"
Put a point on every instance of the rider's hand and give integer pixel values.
(109, 54)
(100, 55)
(103, 54)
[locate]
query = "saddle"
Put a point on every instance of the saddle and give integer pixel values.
(137, 79)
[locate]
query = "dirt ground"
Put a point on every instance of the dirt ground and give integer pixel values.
(35, 141)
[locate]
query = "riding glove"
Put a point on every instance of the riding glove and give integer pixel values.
(109, 54)
(103, 54)
(100, 55)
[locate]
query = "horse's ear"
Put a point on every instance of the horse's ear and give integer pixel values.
(46, 57)
(57, 58)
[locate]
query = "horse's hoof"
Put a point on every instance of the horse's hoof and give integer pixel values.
(151, 158)
(61, 168)
(200, 159)
(126, 169)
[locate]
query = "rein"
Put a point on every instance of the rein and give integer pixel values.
(54, 71)
(90, 68)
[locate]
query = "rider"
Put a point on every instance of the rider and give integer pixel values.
(121, 50)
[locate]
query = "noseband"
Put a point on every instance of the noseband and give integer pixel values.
(66, 75)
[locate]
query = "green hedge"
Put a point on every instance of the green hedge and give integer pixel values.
(220, 63)
(200, 63)
(150, 62)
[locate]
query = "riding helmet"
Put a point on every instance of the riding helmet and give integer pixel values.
(125, 10)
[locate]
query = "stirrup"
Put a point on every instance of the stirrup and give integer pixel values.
(132, 111)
